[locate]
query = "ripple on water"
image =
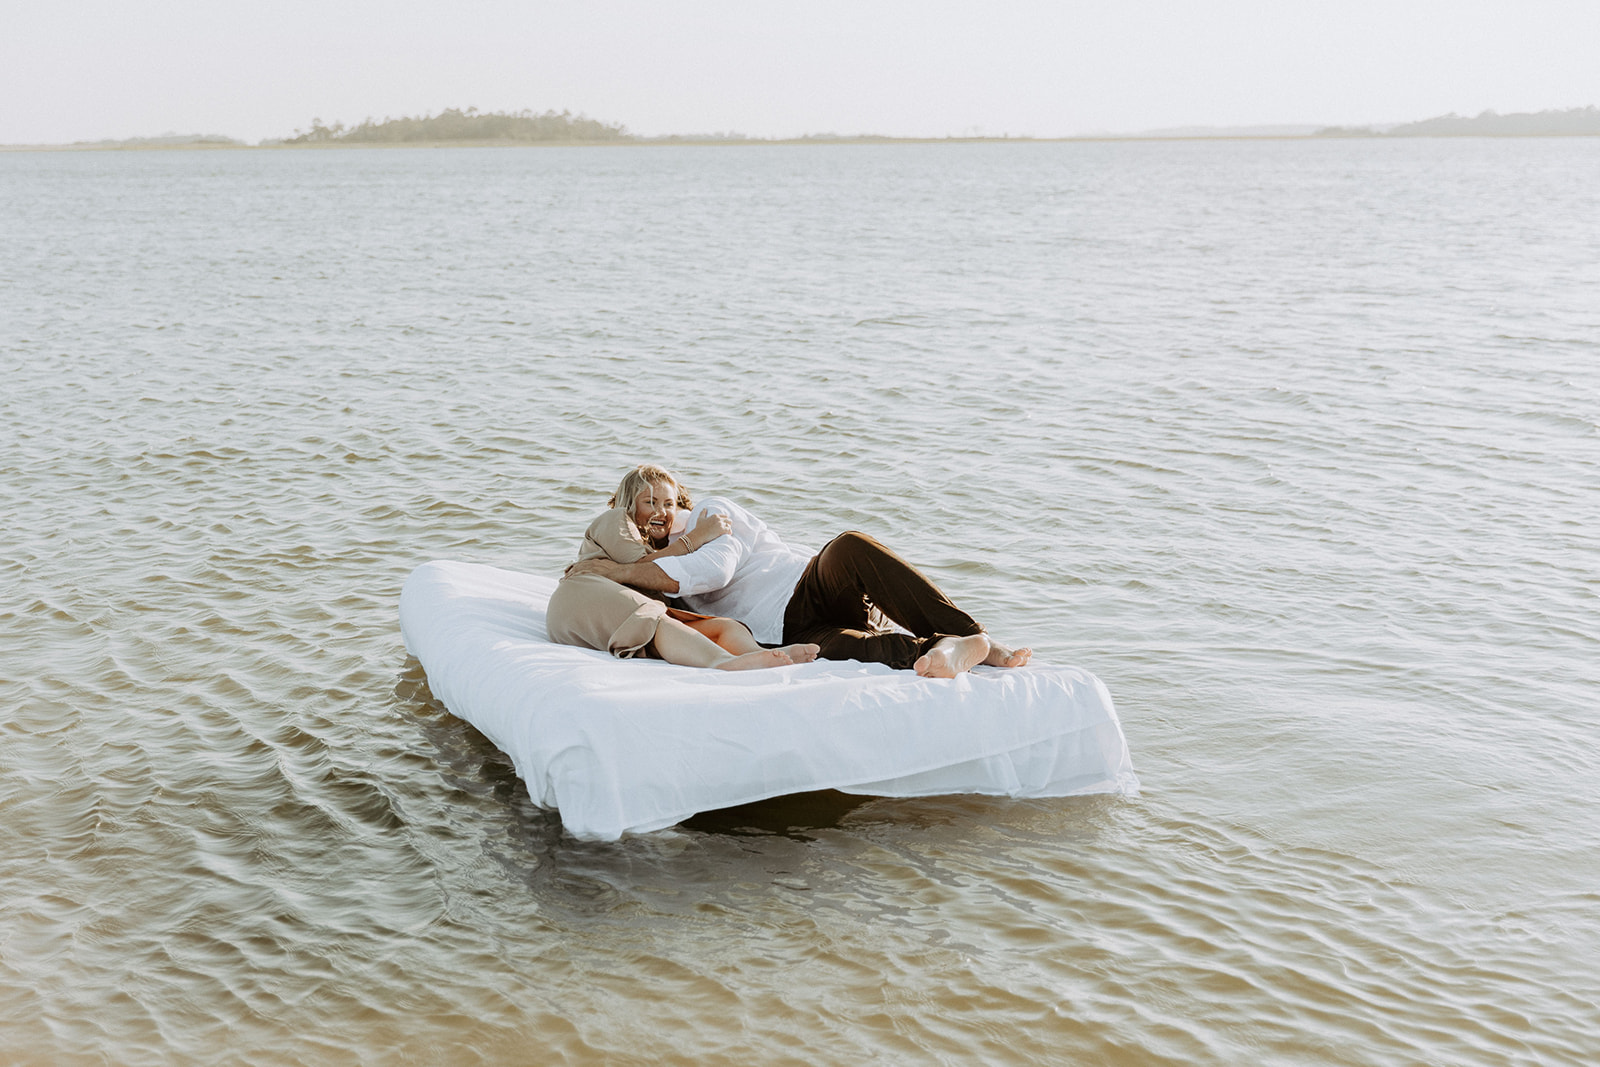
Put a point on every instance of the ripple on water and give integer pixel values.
(1294, 445)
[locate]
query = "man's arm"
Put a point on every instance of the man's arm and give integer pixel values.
(639, 575)
(705, 570)
(712, 566)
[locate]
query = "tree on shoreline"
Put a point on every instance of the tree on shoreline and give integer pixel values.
(1572, 122)
(453, 124)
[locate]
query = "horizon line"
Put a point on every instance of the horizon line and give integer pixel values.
(1449, 124)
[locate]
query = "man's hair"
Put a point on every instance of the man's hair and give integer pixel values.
(643, 477)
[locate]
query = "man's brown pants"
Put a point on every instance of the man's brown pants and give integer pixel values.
(852, 574)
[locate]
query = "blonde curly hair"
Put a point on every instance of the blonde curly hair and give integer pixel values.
(643, 477)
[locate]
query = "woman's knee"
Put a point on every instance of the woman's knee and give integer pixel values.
(715, 628)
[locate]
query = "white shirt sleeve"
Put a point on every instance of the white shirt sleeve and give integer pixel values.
(711, 566)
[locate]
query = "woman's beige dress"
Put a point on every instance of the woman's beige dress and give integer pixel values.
(598, 613)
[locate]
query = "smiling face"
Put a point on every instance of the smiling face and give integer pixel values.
(654, 508)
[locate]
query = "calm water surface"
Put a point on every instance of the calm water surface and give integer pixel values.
(1295, 445)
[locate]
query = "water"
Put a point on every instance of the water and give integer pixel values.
(1295, 445)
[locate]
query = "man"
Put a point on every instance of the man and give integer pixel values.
(787, 595)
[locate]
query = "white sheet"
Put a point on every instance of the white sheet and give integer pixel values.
(631, 746)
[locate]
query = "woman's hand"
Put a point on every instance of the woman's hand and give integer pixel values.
(710, 527)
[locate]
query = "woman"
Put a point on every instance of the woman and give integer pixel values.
(597, 613)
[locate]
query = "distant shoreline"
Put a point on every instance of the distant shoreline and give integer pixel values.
(660, 142)
(455, 128)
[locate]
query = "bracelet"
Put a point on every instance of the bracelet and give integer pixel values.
(687, 542)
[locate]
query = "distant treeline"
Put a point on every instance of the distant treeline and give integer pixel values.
(453, 124)
(1577, 121)
(166, 140)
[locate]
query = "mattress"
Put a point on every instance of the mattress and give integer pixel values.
(631, 746)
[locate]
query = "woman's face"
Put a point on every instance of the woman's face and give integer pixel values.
(654, 509)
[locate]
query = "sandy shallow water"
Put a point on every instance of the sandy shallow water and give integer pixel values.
(1295, 445)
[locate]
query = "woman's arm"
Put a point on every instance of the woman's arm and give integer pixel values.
(709, 528)
(615, 538)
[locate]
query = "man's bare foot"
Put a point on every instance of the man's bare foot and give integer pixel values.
(1001, 656)
(801, 653)
(754, 661)
(952, 655)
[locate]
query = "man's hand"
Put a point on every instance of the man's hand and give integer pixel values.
(600, 565)
(639, 575)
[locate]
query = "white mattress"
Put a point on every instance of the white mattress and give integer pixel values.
(622, 746)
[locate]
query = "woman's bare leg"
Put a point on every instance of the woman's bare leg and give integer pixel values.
(678, 643)
(725, 632)
(734, 637)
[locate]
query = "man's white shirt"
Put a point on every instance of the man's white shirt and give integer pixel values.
(748, 574)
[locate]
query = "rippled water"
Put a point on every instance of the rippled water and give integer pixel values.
(1295, 445)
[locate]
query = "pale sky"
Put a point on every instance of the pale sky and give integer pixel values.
(89, 69)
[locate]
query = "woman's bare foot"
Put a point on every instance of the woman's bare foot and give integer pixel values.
(754, 661)
(1001, 656)
(953, 655)
(801, 653)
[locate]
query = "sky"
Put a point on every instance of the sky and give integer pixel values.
(84, 70)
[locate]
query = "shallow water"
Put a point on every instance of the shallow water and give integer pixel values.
(1295, 445)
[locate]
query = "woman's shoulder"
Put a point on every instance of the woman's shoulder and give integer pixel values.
(613, 534)
(615, 519)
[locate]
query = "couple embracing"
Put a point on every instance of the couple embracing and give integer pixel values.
(748, 599)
